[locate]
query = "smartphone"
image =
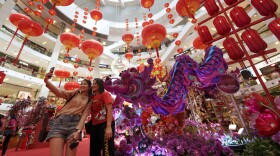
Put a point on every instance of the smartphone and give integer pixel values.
(74, 144)
(51, 71)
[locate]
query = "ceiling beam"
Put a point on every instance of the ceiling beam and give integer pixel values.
(122, 3)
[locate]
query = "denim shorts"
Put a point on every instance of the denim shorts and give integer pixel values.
(63, 127)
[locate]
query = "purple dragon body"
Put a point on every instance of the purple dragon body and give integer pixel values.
(136, 88)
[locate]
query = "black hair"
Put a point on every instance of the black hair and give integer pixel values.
(99, 82)
(90, 88)
(12, 116)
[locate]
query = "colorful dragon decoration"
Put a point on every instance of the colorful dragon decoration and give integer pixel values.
(136, 88)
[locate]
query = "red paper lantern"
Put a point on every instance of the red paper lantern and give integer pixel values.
(180, 50)
(127, 38)
(71, 85)
(204, 34)
(221, 25)
(198, 44)
(171, 21)
(175, 35)
(69, 40)
(147, 3)
(44, 1)
(274, 27)
(37, 13)
(14, 19)
(77, 60)
(61, 74)
(76, 66)
(150, 15)
(52, 12)
(29, 28)
(254, 41)
(166, 5)
(128, 56)
(2, 76)
(232, 48)
(211, 7)
(230, 2)
(145, 24)
(90, 69)
(75, 73)
(151, 21)
(59, 3)
(178, 42)
(154, 34)
(49, 21)
(96, 15)
(92, 49)
(40, 7)
(89, 77)
(187, 8)
(267, 123)
(265, 7)
(169, 16)
(168, 10)
(27, 10)
(157, 60)
(239, 16)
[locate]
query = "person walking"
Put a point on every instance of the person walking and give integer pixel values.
(103, 124)
(9, 132)
(70, 119)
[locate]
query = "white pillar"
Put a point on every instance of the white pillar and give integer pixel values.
(55, 54)
(96, 68)
(5, 11)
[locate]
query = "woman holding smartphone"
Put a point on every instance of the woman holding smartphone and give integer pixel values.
(69, 121)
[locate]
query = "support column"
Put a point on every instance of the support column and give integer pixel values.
(96, 68)
(5, 11)
(54, 57)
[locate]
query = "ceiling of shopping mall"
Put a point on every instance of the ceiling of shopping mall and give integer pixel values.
(117, 11)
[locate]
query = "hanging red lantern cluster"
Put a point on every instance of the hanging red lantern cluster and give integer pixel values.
(211, 7)
(76, 16)
(147, 3)
(265, 7)
(221, 25)
(92, 49)
(71, 85)
(29, 28)
(239, 16)
(254, 41)
(198, 44)
(274, 27)
(154, 34)
(145, 23)
(15, 18)
(233, 50)
(69, 40)
(59, 3)
(49, 21)
(187, 8)
(169, 16)
(204, 34)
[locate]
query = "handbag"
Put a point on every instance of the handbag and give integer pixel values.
(88, 126)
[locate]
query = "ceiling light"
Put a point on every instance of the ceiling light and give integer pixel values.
(54, 21)
(213, 29)
(44, 42)
(6, 79)
(37, 62)
(276, 42)
(67, 30)
(104, 43)
(15, 54)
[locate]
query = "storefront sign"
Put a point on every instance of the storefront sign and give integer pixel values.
(228, 84)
